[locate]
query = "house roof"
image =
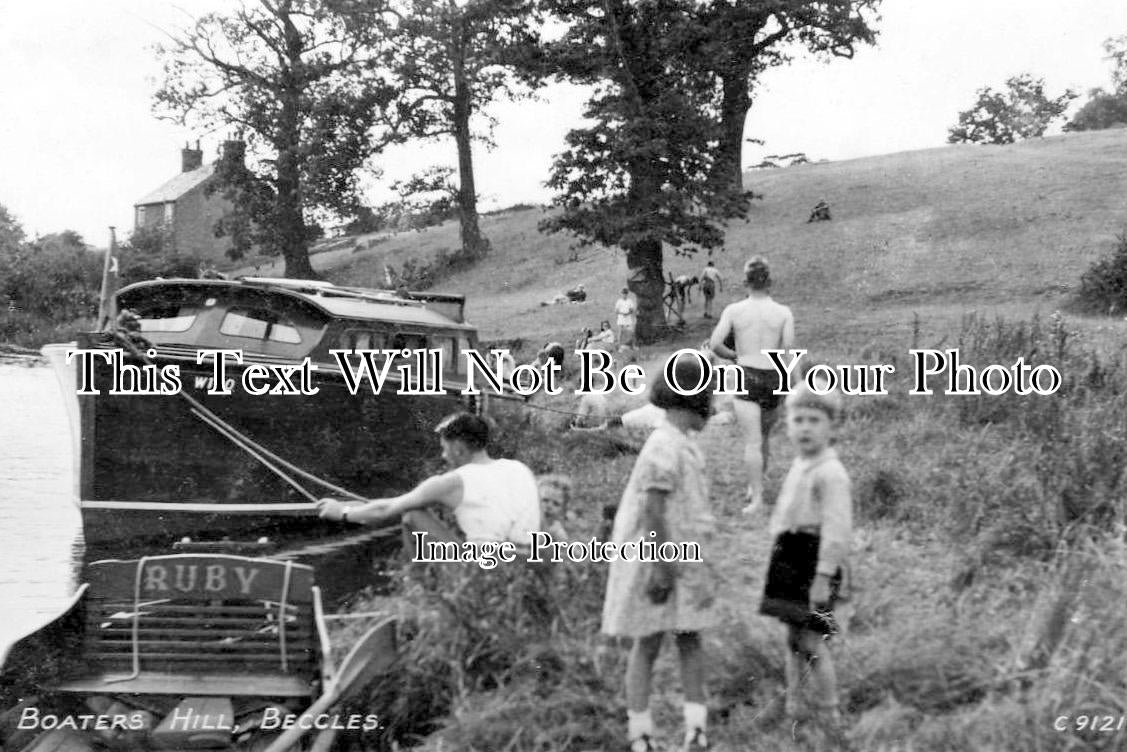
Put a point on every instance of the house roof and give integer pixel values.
(178, 186)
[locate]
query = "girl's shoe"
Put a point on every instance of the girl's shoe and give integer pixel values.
(696, 741)
(643, 743)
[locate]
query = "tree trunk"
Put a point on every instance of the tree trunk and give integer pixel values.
(474, 244)
(288, 203)
(646, 280)
(291, 221)
(734, 107)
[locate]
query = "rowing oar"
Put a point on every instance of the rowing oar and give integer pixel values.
(372, 654)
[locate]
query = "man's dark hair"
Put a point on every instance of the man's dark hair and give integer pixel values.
(757, 274)
(470, 429)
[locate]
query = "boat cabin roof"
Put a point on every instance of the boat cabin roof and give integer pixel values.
(431, 310)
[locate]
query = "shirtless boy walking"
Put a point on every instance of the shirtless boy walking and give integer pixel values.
(758, 323)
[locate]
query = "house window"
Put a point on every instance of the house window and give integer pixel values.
(140, 222)
(169, 209)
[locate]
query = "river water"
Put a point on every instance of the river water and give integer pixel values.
(40, 529)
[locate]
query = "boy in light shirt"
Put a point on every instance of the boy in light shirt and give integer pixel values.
(812, 526)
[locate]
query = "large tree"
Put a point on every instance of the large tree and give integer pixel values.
(640, 175)
(745, 37)
(451, 59)
(1023, 110)
(299, 81)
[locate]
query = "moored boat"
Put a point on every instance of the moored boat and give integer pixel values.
(205, 454)
(187, 652)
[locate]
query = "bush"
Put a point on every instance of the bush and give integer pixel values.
(1102, 111)
(414, 274)
(1103, 287)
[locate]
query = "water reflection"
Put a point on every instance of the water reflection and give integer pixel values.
(41, 547)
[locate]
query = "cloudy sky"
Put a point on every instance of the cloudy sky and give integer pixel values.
(79, 144)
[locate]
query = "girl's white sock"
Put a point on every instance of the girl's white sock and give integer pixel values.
(639, 722)
(696, 715)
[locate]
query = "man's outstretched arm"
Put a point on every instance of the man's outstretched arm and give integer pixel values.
(443, 489)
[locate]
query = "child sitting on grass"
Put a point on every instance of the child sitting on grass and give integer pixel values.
(666, 499)
(812, 525)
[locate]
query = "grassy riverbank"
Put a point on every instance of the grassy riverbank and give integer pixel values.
(989, 546)
(987, 565)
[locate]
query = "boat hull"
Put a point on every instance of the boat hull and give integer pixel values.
(105, 523)
(153, 469)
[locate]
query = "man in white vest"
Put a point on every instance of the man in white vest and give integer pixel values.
(491, 499)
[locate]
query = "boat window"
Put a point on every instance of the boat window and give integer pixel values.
(167, 317)
(459, 358)
(405, 341)
(449, 353)
(361, 339)
(257, 323)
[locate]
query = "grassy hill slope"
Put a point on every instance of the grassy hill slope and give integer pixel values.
(988, 596)
(933, 232)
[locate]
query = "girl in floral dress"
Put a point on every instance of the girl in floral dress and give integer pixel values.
(666, 499)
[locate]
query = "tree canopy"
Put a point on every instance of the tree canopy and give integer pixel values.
(640, 174)
(743, 38)
(1106, 109)
(1021, 111)
(300, 82)
(449, 61)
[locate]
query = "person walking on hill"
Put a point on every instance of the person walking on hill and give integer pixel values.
(710, 283)
(812, 527)
(756, 323)
(666, 499)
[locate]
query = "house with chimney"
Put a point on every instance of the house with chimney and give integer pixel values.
(183, 208)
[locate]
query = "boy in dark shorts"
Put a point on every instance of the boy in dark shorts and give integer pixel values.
(812, 526)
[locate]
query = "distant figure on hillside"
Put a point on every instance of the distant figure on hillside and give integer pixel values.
(820, 213)
(710, 282)
(577, 294)
(681, 290)
(210, 272)
(626, 310)
(604, 340)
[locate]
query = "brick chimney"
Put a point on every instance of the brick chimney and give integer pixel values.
(191, 159)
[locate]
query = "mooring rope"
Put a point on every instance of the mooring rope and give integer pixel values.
(248, 445)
